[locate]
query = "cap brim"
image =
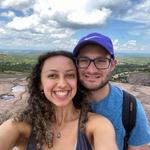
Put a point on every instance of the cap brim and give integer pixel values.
(82, 44)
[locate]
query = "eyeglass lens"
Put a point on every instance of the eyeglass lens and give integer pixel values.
(100, 63)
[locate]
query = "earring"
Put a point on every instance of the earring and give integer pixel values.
(42, 92)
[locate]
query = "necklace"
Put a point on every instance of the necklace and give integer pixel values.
(59, 128)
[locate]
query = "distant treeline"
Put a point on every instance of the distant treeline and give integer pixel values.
(26, 67)
(24, 63)
(17, 62)
(18, 67)
(131, 68)
(122, 72)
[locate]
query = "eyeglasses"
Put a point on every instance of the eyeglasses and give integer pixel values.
(99, 62)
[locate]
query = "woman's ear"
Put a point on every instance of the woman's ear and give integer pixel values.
(41, 87)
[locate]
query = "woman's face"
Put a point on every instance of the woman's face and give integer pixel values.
(59, 80)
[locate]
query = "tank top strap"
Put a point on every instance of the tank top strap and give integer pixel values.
(31, 143)
(82, 141)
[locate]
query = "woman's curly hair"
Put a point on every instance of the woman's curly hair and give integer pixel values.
(39, 112)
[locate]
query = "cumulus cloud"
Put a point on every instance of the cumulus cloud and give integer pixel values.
(84, 18)
(113, 5)
(2, 31)
(8, 14)
(128, 44)
(63, 13)
(115, 42)
(49, 22)
(19, 23)
(17, 4)
(131, 43)
(138, 13)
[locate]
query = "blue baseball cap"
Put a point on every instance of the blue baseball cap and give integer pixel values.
(95, 38)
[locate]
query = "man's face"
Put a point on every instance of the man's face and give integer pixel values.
(92, 77)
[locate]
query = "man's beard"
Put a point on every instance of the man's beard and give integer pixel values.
(98, 87)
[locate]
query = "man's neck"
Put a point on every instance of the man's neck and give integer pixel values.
(99, 94)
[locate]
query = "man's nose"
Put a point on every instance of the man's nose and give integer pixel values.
(92, 68)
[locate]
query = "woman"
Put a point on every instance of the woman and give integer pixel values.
(57, 116)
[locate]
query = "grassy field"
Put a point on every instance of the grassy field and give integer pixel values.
(134, 60)
(23, 62)
(18, 58)
(31, 58)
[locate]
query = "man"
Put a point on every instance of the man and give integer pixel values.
(95, 60)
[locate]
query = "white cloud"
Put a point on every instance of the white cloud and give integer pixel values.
(19, 23)
(18, 4)
(42, 8)
(69, 11)
(2, 31)
(66, 6)
(25, 40)
(8, 14)
(130, 46)
(138, 13)
(115, 42)
(141, 31)
(131, 42)
(113, 5)
(51, 15)
(51, 23)
(94, 17)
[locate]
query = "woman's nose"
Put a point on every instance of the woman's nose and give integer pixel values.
(62, 82)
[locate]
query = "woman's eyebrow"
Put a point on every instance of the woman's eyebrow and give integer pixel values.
(53, 70)
(71, 70)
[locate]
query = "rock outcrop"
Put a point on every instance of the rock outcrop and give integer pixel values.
(9, 107)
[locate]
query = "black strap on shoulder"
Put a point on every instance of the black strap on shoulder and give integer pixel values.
(128, 115)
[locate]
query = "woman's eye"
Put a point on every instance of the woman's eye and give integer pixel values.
(52, 76)
(71, 76)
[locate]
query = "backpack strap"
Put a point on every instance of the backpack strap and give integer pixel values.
(128, 115)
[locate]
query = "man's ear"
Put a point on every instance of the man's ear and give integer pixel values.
(113, 64)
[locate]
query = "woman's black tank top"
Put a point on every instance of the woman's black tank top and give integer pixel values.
(82, 141)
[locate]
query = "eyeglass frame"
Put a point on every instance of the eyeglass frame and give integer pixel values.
(93, 60)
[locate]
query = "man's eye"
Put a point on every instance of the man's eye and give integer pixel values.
(101, 60)
(83, 60)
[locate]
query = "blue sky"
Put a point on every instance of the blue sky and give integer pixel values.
(59, 24)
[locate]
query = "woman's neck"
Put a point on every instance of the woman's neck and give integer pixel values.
(66, 114)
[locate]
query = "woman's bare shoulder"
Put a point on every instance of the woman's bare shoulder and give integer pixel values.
(94, 116)
(100, 131)
(13, 133)
(16, 127)
(95, 120)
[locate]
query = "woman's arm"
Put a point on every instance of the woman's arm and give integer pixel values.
(103, 134)
(9, 134)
